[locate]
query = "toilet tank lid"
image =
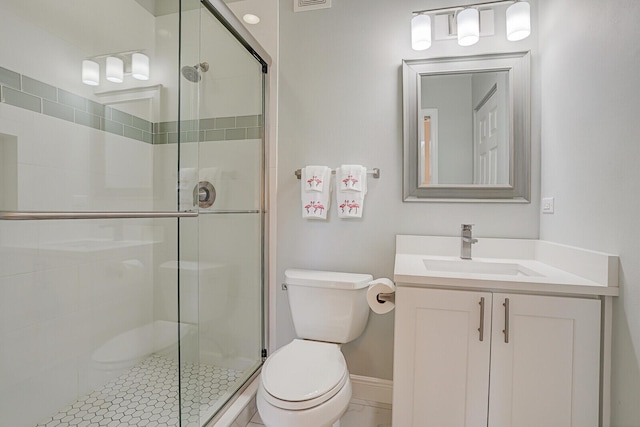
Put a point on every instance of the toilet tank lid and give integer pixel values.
(326, 279)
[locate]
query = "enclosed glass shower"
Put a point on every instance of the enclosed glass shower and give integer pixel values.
(132, 220)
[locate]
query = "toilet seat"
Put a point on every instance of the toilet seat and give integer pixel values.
(303, 374)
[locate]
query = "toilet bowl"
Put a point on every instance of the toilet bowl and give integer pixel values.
(306, 382)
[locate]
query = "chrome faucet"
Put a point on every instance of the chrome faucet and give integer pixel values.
(466, 241)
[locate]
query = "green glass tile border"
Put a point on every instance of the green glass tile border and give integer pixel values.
(25, 92)
(210, 129)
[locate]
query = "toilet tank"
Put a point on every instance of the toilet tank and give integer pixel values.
(328, 306)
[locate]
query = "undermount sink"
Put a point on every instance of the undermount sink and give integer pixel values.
(504, 265)
(479, 267)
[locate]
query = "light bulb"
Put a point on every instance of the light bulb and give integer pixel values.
(115, 69)
(518, 21)
(90, 73)
(468, 27)
(421, 32)
(140, 66)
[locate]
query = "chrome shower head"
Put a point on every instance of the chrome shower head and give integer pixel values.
(192, 72)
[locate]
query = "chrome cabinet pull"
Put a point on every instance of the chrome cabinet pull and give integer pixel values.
(505, 331)
(481, 328)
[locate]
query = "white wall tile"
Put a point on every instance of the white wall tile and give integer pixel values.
(56, 293)
(17, 302)
(19, 357)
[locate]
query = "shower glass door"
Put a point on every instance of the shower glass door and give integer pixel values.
(122, 300)
(227, 124)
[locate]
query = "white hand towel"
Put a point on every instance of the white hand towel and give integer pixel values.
(187, 181)
(352, 178)
(314, 178)
(351, 188)
(350, 204)
(315, 203)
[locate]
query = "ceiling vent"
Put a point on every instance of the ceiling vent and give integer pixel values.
(305, 5)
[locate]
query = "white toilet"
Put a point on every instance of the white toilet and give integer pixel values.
(306, 382)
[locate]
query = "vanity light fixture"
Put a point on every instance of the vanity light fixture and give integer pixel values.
(115, 69)
(117, 66)
(518, 21)
(90, 73)
(467, 20)
(140, 66)
(421, 32)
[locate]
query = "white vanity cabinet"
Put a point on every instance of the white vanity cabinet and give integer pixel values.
(477, 358)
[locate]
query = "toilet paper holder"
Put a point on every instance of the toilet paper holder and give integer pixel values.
(386, 297)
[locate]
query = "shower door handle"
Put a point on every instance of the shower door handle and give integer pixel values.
(46, 216)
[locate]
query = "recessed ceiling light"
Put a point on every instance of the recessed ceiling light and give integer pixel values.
(251, 19)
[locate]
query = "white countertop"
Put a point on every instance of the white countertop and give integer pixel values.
(555, 268)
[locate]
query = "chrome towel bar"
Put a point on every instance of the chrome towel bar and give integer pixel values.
(375, 172)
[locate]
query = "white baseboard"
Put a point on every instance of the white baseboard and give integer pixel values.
(372, 389)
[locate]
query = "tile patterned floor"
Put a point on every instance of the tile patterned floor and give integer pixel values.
(147, 396)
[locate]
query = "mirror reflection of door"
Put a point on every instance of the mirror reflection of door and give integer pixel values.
(486, 140)
(491, 164)
(428, 146)
(427, 160)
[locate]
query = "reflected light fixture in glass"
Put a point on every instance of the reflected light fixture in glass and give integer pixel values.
(90, 73)
(140, 66)
(468, 27)
(421, 32)
(518, 21)
(115, 69)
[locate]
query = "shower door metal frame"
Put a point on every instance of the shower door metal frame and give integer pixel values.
(226, 17)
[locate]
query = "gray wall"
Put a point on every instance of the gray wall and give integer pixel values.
(589, 56)
(451, 95)
(340, 102)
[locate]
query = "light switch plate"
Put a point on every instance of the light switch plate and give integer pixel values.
(547, 205)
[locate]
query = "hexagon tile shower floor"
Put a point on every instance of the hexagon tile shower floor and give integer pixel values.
(147, 395)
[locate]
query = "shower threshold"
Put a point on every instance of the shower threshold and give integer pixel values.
(147, 395)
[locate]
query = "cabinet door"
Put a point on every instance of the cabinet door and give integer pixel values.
(441, 367)
(547, 374)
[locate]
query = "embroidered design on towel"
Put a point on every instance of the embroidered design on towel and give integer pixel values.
(314, 181)
(351, 207)
(315, 206)
(350, 182)
(314, 178)
(351, 178)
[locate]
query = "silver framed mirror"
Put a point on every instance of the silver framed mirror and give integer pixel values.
(467, 129)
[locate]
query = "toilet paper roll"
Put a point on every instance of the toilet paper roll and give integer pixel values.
(380, 286)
